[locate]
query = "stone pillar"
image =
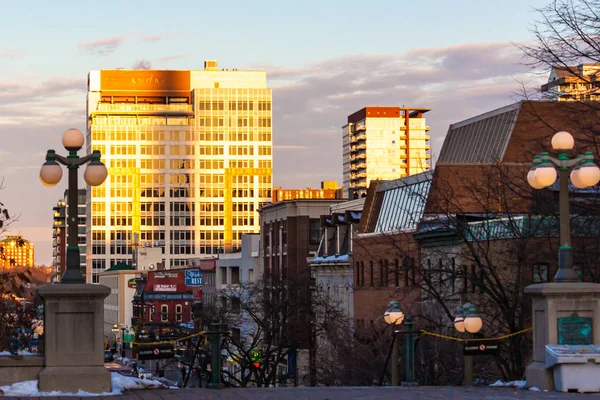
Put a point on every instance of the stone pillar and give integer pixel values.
(74, 346)
(552, 301)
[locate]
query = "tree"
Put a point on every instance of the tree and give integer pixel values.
(565, 35)
(484, 239)
(275, 321)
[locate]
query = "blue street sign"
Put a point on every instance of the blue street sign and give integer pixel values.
(193, 277)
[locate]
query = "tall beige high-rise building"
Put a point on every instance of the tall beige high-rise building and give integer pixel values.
(383, 143)
(574, 83)
(189, 155)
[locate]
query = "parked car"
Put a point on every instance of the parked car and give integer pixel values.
(108, 356)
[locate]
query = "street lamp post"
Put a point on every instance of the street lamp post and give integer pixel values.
(215, 348)
(543, 174)
(51, 173)
(115, 330)
(123, 341)
(393, 316)
(468, 321)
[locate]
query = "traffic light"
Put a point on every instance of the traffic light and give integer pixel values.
(256, 357)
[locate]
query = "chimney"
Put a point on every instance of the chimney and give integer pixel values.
(211, 65)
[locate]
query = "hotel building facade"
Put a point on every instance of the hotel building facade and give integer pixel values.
(383, 143)
(189, 155)
(16, 252)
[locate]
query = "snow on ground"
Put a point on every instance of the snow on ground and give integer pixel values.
(515, 384)
(20, 352)
(120, 383)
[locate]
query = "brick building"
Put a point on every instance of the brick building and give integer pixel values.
(290, 234)
(163, 301)
(385, 252)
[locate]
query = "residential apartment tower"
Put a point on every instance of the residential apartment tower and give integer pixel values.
(383, 143)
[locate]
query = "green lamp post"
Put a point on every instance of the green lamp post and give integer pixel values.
(394, 316)
(584, 174)
(467, 320)
(215, 349)
(94, 175)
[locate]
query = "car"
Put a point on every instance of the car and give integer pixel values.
(108, 356)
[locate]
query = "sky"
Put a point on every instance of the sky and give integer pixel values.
(324, 60)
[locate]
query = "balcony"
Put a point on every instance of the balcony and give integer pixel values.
(362, 146)
(353, 139)
(128, 108)
(361, 137)
(427, 137)
(358, 128)
(427, 128)
(362, 166)
(427, 147)
(353, 167)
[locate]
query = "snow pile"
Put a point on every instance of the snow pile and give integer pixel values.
(20, 352)
(534, 389)
(120, 383)
(514, 384)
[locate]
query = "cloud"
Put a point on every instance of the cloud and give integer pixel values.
(142, 64)
(157, 38)
(11, 53)
(171, 58)
(283, 147)
(103, 46)
(311, 102)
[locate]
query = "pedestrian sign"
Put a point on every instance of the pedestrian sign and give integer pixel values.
(256, 357)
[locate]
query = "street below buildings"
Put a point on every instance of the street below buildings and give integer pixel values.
(343, 393)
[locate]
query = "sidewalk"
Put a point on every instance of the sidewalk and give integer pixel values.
(343, 393)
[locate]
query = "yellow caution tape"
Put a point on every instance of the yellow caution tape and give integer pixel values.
(168, 341)
(424, 332)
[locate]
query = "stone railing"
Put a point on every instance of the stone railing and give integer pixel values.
(16, 368)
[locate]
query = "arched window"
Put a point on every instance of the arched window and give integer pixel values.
(179, 312)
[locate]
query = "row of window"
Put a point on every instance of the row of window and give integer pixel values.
(242, 105)
(399, 273)
(202, 134)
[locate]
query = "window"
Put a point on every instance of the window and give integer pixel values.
(362, 273)
(372, 268)
(179, 312)
(314, 231)
(235, 275)
(236, 335)
(381, 273)
(357, 274)
(386, 273)
(453, 280)
(540, 273)
(397, 273)
(465, 282)
(236, 305)
(223, 275)
(250, 275)
(164, 313)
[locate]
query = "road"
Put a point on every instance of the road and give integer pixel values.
(347, 393)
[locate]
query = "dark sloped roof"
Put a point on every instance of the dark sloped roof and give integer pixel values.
(482, 139)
